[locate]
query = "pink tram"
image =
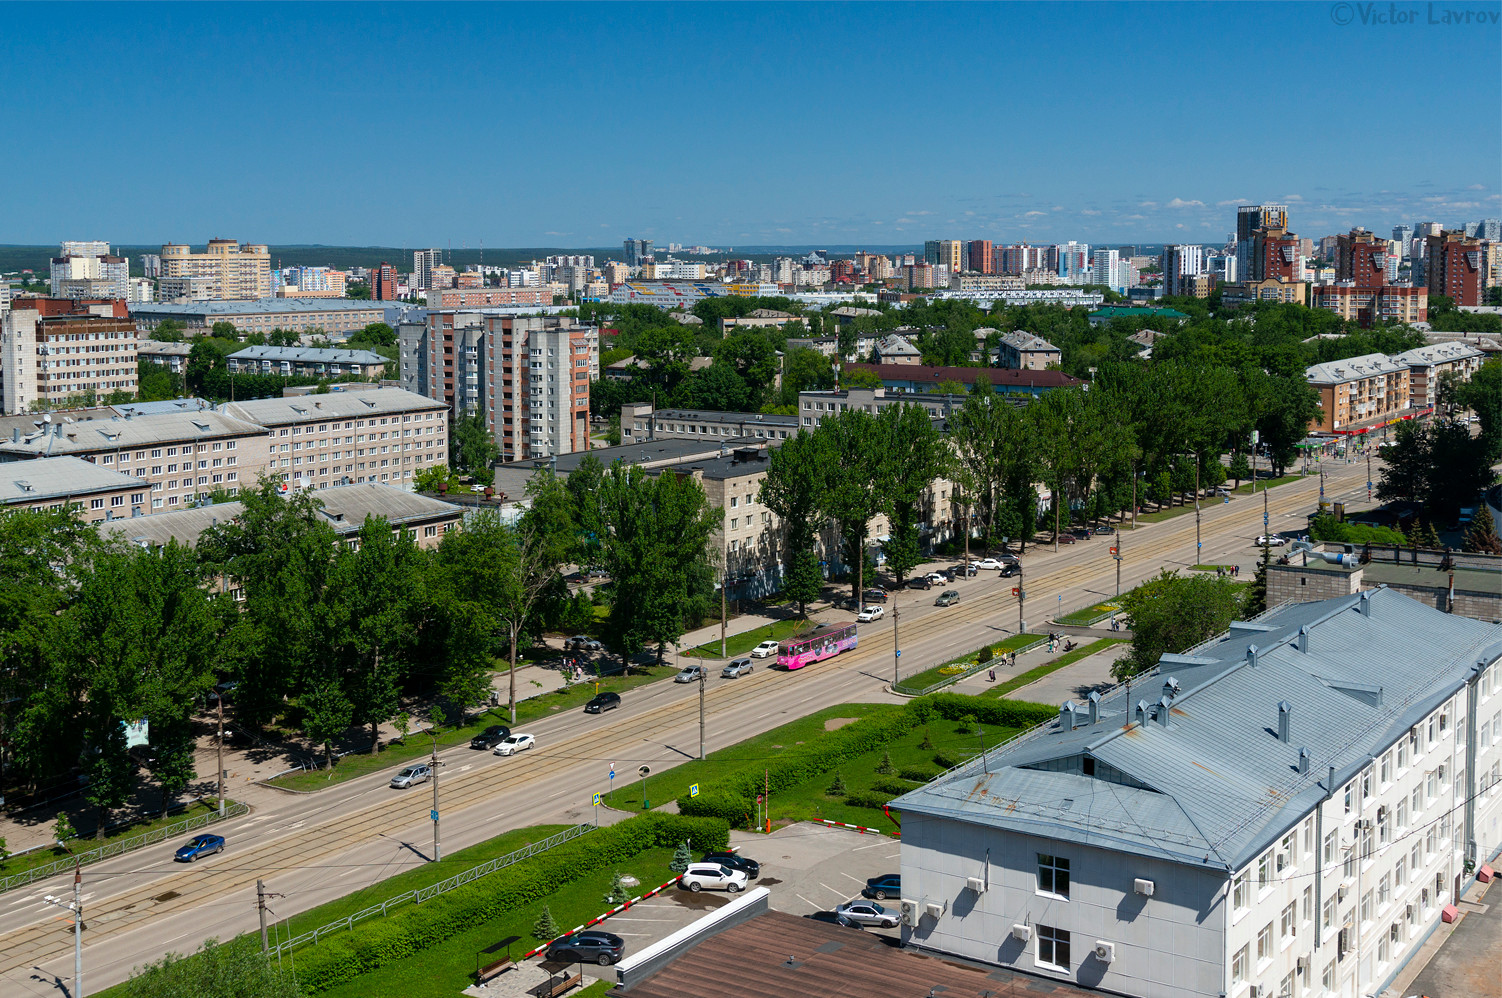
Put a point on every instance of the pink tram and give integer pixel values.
(822, 642)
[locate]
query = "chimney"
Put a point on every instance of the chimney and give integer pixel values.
(1251, 655)
(1068, 715)
(1165, 704)
(1303, 639)
(1303, 760)
(1141, 712)
(1094, 699)
(1366, 604)
(1330, 781)
(1285, 714)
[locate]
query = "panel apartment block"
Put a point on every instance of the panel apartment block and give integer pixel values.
(48, 357)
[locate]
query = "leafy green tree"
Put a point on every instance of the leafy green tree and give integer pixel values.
(236, 969)
(1239, 468)
(203, 360)
(1437, 465)
(1172, 613)
(327, 713)
(855, 481)
(1483, 396)
(377, 334)
(1255, 601)
(168, 331)
(429, 479)
(172, 764)
(1292, 405)
(224, 331)
(357, 289)
(804, 370)
(791, 489)
(752, 356)
(859, 378)
(914, 455)
(472, 447)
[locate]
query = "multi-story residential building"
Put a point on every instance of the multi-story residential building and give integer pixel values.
(1277, 255)
(1361, 258)
(946, 252)
(986, 282)
(1370, 305)
(1250, 218)
(172, 356)
(151, 265)
(760, 318)
(58, 482)
(182, 456)
(918, 275)
(1427, 364)
(1357, 392)
(453, 298)
(638, 251)
(1026, 352)
(829, 346)
(1272, 289)
(423, 262)
(51, 349)
(530, 377)
(372, 435)
(311, 362)
(233, 272)
(1020, 258)
(308, 282)
(1453, 268)
(383, 283)
(1106, 268)
(980, 256)
(641, 422)
(88, 270)
(442, 276)
(1403, 236)
(1073, 262)
(1265, 816)
(186, 289)
(670, 295)
(1180, 264)
(335, 317)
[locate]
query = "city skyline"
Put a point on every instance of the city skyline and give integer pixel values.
(741, 125)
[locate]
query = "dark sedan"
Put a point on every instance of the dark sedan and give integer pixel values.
(201, 845)
(835, 918)
(888, 885)
(490, 737)
(602, 702)
(874, 596)
(1007, 571)
(750, 867)
(603, 948)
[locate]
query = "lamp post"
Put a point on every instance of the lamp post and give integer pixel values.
(896, 646)
(984, 766)
(437, 849)
(703, 680)
(1198, 547)
(76, 907)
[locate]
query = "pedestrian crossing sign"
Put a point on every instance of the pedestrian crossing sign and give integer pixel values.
(598, 799)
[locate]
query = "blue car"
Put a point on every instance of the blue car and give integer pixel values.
(888, 885)
(201, 845)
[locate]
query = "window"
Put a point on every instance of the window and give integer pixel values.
(1308, 904)
(1264, 870)
(1053, 878)
(1265, 943)
(1053, 947)
(1330, 840)
(117, 500)
(1327, 915)
(96, 504)
(1327, 979)
(1239, 899)
(1238, 965)
(1289, 923)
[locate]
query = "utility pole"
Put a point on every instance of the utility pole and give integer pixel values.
(1117, 555)
(1134, 495)
(1368, 476)
(1021, 599)
(703, 681)
(1198, 547)
(437, 849)
(896, 646)
(723, 581)
(261, 909)
(77, 928)
(221, 751)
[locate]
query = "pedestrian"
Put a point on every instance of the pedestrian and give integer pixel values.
(992, 674)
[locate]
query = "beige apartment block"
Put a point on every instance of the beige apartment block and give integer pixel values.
(48, 358)
(57, 482)
(234, 271)
(1357, 392)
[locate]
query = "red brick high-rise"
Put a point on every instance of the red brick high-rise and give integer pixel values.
(1452, 265)
(383, 283)
(1276, 255)
(979, 256)
(1361, 258)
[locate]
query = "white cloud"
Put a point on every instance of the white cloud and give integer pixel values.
(1090, 211)
(1476, 187)
(1233, 203)
(1292, 197)
(917, 213)
(1181, 203)
(1034, 214)
(1148, 204)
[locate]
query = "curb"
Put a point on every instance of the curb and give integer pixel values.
(600, 918)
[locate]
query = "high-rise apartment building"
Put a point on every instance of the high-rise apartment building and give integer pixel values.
(1180, 265)
(1074, 261)
(1403, 236)
(979, 257)
(423, 262)
(1452, 267)
(528, 376)
(87, 270)
(51, 350)
(1489, 229)
(1362, 258)
(229, 271)
(945, 252)
(1020, 258)
(383, 283)
(1250, 218)
(637, 251)
(1105, 268)
(1276, 255)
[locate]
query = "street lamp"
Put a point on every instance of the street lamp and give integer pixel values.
(76, 907)
(437, 849)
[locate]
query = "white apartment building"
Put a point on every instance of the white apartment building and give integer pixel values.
(233, 271)
(1180, 265)
(344, 437)
(1286, 810)
(45, 359)
(88, 270)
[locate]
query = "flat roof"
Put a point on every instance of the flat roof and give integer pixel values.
(256, 306)
(716, 416)
(58, 478)
(333, 404)
(1001, 378)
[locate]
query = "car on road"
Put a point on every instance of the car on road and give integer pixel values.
(987, 564)
(888, 885)
(1065, 538)
(1007, 571)
(712, 876)
(690, 674)
(874, 596)
(835, 918)
(936, 578)
(576, 578)
(736, 667)
(199, 845)
(1104, 529)
(603, 948)
(490, 737)
(1271, 540)
(601, 702)
(764, 649)
(870, 613)
(410, 776)
(1080, 534)
(512, 744)
(869, 913)
(750, 867)
(948, 597)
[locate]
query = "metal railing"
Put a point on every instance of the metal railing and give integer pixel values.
(120, 846)
(422, 894)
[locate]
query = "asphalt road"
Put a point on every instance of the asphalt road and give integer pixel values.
(311, 849)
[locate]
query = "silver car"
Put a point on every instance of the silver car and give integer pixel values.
(737, 667)
(411, 776)
(869, 913)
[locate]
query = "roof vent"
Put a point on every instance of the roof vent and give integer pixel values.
(1251, 655)
(1165, 704)
(1068, 715)
(1094, 699)
(1366, 604)
(1285, 715)
(1171, 687)
(1303, 760)
(1302, 642)
(1140, 712)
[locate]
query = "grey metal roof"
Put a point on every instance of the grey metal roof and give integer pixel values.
(258, 306)
(716, 416)
(162, 405)
(309, 355)
(335, 404)
(59, 477)
(1335, 372)
(1215, 786)
(1436, 353)
(86, 436)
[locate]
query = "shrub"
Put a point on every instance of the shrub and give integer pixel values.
(885, 765)
(967, 723)
(681, 858)
(928, 740)
(986, 710)
(545, 928)
(917, 774)
(837, 788)
(986, 654)
(729, 808)
(888, 785)
(868, 798)
(945, 761)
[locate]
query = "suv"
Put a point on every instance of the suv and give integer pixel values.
(714, 876)
(750, 867)
(490, 737)
(603, 948)
(948, 597)
(601, 703)
(764, 649)
(870, 613)
(874, 596)
(736, 667)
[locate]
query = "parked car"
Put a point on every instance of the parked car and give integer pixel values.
(603, 948)
(869, 913)
(736, 667)
(690, 674)
(870, 613)
(512, 744)
(225, 689)
(1007, 571)
(582, 642)
(1066, 537)
(601, 702)
(936, 578)
(490, 737)
(874, 596)
(1222, 491)
(882, 887)
(1271, 540)
(1080, 534)
(199, 845)
(1104, 529)
(714, 876)
(987, 564)
(835, 918)
(576, 578)
(410, 776)
(764, 649)
(961, 572)
(750, 867)
(948, 597)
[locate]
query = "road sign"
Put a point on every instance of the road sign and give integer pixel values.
(433, 814)
(597, 800)
(1113, 551)
(644, 771)
(1015, 590)
(899, 652)
(693, 790)
(612, 770)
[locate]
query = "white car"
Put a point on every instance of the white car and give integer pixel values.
(514, 743)
(993, 564)
(765, 649)
(1271, 540)
(698, 876)
(870, 613)
(936, 579)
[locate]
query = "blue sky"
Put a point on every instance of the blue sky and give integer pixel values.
(726, 124)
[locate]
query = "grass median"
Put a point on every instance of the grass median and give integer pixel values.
(742, 643)
(1089, 615)
(1033, 675)
(419, 745)
(956, 667)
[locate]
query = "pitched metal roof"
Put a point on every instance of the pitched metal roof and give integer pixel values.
(87, 436)
(334, 404)
(59, 477)
(1215, 785)
(309, 355)
(1335, 372)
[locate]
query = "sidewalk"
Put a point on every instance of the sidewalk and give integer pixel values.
(1071, 682)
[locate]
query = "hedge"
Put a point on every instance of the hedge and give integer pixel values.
(874, 799)
(411, 930)
(997, 713)
(888, 785)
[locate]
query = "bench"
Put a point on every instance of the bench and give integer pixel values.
(553, 989)
(484, 972)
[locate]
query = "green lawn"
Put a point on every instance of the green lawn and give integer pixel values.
(442, 971)
(740, 644)
(1210, 568)
(1089, 615)
(956, 666)
(1245, 489)
(41, 857)
(670, 784)
(1033, 675)
(422, 876)
(420, 746)
(1166, 514)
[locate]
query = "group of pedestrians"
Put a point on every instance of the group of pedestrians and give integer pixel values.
(1228, 571)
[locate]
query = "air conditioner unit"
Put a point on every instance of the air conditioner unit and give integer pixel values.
(1143, 887)
(976, 884)
(1105, 952)
(1303, 964)
(1282, 861)
(1256, 991)
(935, 909)
(1022, 933)
(909, 912)
(1341, 892)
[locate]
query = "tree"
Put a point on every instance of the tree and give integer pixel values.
(1437, 465)
(855, 481)
(1171, 613)
(327, 713)
(792, 489)
(951, 387)
(1483, 396)
(859, 378)
(172, 763)
(224, 331)
(429, 479)
(752, 356)
(203, 360)
(1240, 468)
(804, 370)
(357, 289)
(681, 858)
(169, 331)
(914, 455)
(236, 969)
(472, 447)
(1482, 535)
(1255, 601)
(545, 928)
(1291, 405)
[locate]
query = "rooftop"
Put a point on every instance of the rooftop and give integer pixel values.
(309, 355)
(719, 417)
(333, 405)
(1203, 779)
(1027, 341)
(1135, 312)
(257, 306)
(1437, 353)
(65, 435)
(58, 478)
(1002, 379)
(1334, 372)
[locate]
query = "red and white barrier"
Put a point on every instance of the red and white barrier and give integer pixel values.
(859, 828)
(600, 918)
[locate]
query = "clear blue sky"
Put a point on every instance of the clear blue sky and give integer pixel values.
(578, 125)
